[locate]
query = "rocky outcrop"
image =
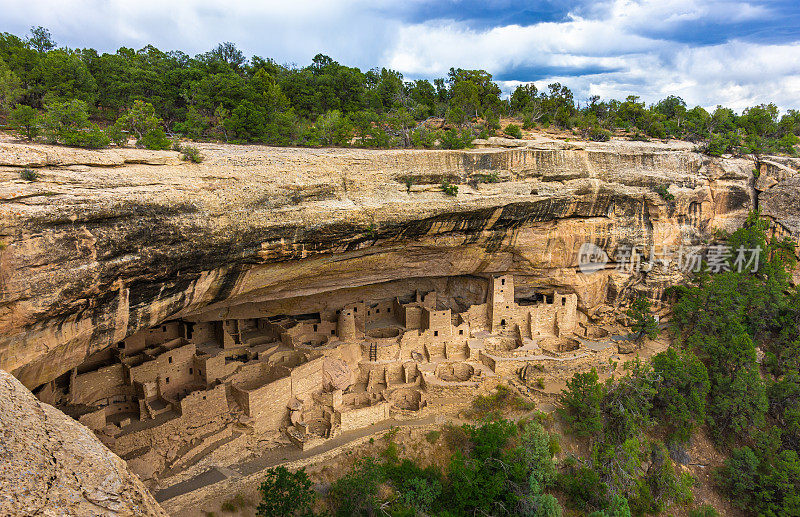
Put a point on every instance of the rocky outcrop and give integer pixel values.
(51, 465)
(108, 242)
(778, 184)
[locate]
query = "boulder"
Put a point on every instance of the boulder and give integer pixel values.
(336, 374)
(51, 465)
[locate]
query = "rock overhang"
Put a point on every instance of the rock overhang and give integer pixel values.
(99, 248)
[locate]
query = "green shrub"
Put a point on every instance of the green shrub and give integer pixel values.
(627, 402)
(528, 122)
(547, 506)
(580, 403)
(285, 493)
(618, 463)
(155, 140)
(661, 485)
(195, 124)
(448, 188)
(786, 144)
(26, 120)
(643, 321)
(357, 492)
(481, 481)
(492, 177)
(513, 131)
(420, 493)
(764, 479)
(720, 144)
(617, 507)
(454, 437)
(391, 453)
(91, 138)
(662, 191)
(537, 454)
(555, 444)
(117, 135)
(68, 123)
(331, 128)
(141, 122)
(583, 488)
(784, 407)
(453, 139)
(705, 510)
(679, 403)
(190, 153)
(432, 436)
(503, 399)
(597, 134)
(424, 137)
(29, 175)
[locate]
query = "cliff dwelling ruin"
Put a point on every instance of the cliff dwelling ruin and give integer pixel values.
(203, 380)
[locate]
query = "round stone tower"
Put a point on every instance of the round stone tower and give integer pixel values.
(346, 327)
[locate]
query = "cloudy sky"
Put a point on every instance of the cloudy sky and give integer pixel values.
(712, 52)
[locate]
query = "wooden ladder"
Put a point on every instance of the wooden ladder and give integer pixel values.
(373, 352)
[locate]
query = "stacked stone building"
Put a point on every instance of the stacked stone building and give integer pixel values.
(310, 376)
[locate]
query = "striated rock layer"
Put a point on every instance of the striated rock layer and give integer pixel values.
(52, 465)
(109, 242)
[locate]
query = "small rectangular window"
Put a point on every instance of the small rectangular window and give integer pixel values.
(166, 381)
(435, 332)
(169, 359)
(190, 371)
(503, 281)
(333, 332)
(460, 332)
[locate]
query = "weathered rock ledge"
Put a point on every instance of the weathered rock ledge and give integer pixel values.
(108, 242)
(51, 465)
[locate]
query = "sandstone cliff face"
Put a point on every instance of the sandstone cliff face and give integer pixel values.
(52, 465)
(109, 242)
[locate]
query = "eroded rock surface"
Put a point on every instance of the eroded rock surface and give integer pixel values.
(51, 465)
(109, 242)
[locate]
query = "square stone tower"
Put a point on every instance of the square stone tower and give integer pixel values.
(501, 306)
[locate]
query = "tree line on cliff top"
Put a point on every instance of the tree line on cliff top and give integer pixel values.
(85, 98)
